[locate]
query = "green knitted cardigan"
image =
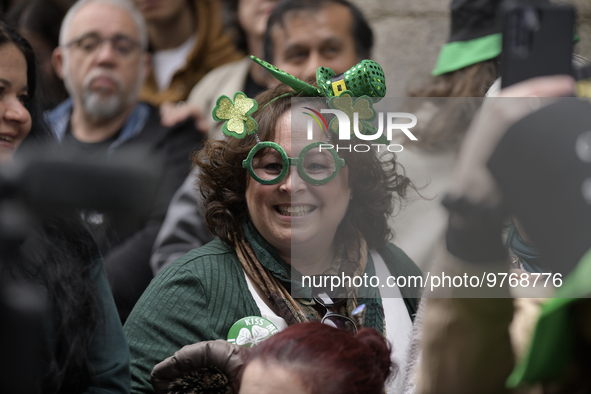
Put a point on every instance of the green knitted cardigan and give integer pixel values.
(199, 297)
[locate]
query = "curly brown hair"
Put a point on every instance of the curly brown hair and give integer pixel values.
(377, 184)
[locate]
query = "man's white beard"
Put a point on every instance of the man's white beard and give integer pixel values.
(103, 108)
(98, 107)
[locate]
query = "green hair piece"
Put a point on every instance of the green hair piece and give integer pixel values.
(364, 79)
(288, 79)
(237, 115)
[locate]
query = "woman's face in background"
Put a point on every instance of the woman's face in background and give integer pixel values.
(253, 15)
(15, 120)
(162, 10)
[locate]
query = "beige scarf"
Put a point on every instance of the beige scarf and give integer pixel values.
(352, 261)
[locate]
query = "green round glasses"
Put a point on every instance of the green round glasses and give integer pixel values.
(268, 163)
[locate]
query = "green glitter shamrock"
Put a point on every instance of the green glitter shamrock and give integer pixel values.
(238, 123)
(364, 108)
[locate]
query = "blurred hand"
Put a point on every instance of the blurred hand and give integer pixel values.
(227, 357)
(171, 114)
(471, 179)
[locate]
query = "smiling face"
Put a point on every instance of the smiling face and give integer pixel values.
(293, 215)
(15, 120)
(308, 40)
(103, 76)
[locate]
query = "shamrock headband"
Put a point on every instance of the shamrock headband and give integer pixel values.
(364, 80)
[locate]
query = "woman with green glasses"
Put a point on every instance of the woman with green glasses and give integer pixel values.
(284, 205)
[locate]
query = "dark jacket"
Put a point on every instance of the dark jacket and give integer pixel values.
(126, 242)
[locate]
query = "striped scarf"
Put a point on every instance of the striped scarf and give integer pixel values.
(352, 260)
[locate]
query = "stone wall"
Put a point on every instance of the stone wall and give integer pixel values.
(410, 33)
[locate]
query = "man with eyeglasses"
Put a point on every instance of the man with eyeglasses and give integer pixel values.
(103, 60)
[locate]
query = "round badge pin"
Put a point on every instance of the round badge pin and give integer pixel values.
(251, 330)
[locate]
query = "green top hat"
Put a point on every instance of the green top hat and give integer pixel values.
(364, 79)
(475, 35)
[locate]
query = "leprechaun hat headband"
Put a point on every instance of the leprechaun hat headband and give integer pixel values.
(475, 35)
(365, 79)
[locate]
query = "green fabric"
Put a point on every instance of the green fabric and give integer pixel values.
(109, 355)
(399, 264)
(460, 54)
(199, 297)
(553, 340)
(266, 254)
(374, 310)
(530, 257)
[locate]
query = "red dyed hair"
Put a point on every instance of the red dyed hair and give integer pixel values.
(329, 360)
